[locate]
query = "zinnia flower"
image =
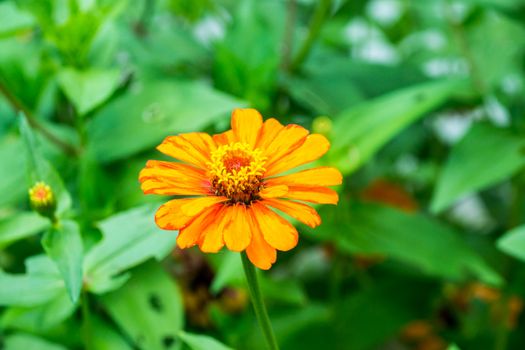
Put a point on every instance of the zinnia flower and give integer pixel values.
(234, 188)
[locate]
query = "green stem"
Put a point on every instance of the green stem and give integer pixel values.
(321, 13)
(258, 302)
(288, 35)
(86, 322)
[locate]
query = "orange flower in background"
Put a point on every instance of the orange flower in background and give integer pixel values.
(233, 183)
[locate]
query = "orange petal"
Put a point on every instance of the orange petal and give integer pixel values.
(321, 176)
(274, 191)
(190, 235)
(212, 240)
(321, 195)
(193, 148)
(260, 253)
(160, 186)
(302, 212)
(195, 206)
(269, 131)
(238, 233)
(313, 148)
(287, 140)
(170, 216)
(225, 138)
(246, 124)
(278, 232)
(173, 179)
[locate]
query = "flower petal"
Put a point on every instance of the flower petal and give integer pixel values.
(238, 233)
(302, 212)
(274, 191)
(195, 206)
(212, 239)
(321, 176)
(173, 179)
(271, 127)
(278, 232)
(260, 253)
(170, 216)
(287, 139)
(193, 148)
(320, 195)
(313, 148)
(246, 124)
(224, 138)
(190, 235)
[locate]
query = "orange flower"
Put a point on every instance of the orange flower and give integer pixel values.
(231, 178)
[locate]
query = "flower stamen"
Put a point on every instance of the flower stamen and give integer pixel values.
(236, 171)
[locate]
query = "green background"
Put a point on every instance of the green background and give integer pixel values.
(423, 103)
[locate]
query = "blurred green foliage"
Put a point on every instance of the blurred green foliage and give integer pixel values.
(423, 102)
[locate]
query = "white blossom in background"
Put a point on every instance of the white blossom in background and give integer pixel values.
(472, 213)
(496, 112)
(450, 127)
(512, 84)
(445, 66)
(385, 12)
(209, 30)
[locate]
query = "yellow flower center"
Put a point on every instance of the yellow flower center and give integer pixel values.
(236, 171)
(40, 194)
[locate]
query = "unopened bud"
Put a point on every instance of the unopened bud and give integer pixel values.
(42, 199)
(322, 125)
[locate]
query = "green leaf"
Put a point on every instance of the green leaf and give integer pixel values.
(485, 156)
(129, 238)
(39, 318)
(413, 239)
(88, 89)
(21, 288)
(148, 308)
(289, 325)
(24, 341)
(153, 111)
(13, 20)
(63, 244)
(229, 272)
(104, 337)
(490, 34)
(360, 131)
(21, 225)
(330, 84)
(41, 170)
(13, 171)
(513, 243)
(201, 342)
(366, 319)
(256, 27)
(287, 291)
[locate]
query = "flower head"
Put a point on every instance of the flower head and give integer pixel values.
(233, 182)
(42, 199)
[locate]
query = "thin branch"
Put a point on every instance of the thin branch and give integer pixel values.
(287, 48)
(321, 13)
(19, 107)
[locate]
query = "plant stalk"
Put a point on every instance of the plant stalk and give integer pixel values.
(258, 302)
(86, 322)
(321, 13)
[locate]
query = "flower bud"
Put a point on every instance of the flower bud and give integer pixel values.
(322, 125)
(42, 199)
